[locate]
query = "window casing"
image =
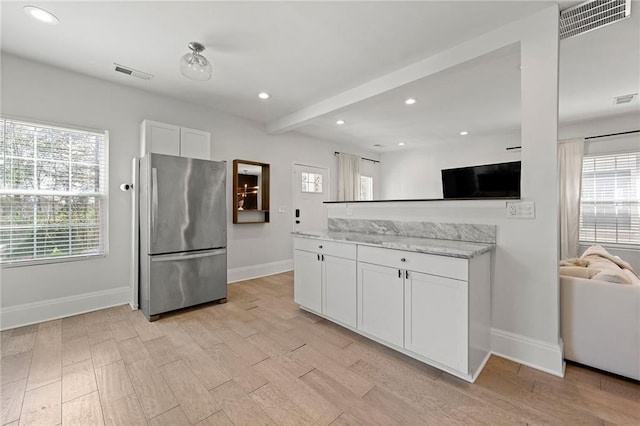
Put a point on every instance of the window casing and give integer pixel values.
(610, 199)
(53, 204)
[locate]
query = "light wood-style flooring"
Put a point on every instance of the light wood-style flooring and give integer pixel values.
(261, 360)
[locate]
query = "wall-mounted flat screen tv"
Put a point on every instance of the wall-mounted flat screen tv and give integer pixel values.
(500, 180)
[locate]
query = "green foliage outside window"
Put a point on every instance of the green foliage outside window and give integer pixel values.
(52, 187)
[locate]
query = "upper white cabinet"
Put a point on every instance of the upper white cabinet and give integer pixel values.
(162, 138)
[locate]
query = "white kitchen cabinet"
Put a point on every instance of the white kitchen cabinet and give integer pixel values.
(325, 279)
(434, 308)
(381, 302)
(339, 289)
(307, 280)
(195, 143)
(436, 318)
(163, 138)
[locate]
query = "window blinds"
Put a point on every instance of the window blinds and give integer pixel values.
(52, 196)
(610, 200)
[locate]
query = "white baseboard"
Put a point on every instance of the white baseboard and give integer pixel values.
(31, 313)
(530, 352)
(257, 271)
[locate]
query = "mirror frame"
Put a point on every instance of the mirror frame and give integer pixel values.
(254, 216)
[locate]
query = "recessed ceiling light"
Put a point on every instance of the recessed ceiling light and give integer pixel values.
(41, 15)
(401, 144)
(464, 133)
(410, 101)
(264, 95)
(340, 122)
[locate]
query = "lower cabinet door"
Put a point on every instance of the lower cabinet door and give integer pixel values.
(380, 302)
(339, 289)
(436, 319)
(307, 280)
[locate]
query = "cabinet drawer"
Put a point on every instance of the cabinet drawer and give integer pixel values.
(332, 248)
(443, 266)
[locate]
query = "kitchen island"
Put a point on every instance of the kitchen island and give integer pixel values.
(428, 298)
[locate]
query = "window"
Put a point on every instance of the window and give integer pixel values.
(610, 199)
(311, 182)
(52, 192)
(366, 188)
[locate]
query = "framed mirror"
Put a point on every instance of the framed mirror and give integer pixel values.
(250, 192)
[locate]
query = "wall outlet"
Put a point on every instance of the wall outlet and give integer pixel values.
(521, 210)
(282, 209)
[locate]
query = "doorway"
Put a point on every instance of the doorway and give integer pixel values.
(310, 190)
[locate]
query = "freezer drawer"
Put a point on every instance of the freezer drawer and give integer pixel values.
(183, 279)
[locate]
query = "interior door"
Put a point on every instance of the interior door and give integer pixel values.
(310, 189)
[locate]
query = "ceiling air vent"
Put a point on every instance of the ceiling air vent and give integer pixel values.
(132, 72)
(619, 100)
(592, 15)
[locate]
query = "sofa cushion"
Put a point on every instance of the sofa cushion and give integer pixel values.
(577, 271)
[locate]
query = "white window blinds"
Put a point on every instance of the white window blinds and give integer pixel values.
(610, 199)
(52, 192)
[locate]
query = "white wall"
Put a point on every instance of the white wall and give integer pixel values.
(38, 92)
(525, 297)
(416, 173)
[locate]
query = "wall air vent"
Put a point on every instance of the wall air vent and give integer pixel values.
(592, 15)
(619, 100)
(130, 71)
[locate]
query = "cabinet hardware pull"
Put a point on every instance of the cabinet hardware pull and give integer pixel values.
(406, 274)
(319, 246)
(318, 256)
(322, 255)
(399, 273)
(403, 260)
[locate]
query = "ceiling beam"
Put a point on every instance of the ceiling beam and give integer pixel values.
(461, 53)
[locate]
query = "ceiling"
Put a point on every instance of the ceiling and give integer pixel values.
(305, 52)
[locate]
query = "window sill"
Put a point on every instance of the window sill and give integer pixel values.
(18, 264)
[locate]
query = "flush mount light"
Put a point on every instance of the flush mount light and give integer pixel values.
(264, 95)
(41, 15)
(401, 144)
(195, 66)
(410, 101)
(340, 122)
(464, 133)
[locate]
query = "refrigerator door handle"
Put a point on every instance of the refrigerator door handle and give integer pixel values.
(187, 256)
(154, 202)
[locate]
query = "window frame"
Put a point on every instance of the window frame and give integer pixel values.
(104, 228)
(623, 245)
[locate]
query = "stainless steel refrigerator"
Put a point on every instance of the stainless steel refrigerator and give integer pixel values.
(183, 233)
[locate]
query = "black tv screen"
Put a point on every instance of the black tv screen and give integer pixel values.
(486, 181)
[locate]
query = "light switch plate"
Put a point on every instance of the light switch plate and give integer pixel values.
(521, 210)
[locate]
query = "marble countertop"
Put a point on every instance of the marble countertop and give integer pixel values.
(461, 249)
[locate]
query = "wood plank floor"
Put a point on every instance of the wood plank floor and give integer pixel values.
(259, 360)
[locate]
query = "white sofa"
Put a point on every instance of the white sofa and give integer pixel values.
(600, 324)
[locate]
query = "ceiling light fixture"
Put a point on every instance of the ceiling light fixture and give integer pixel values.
(264, 95)
(410, 101)
(340, 122)
(195, 66)
(401, 144)
(41, 15)
(464, 133)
